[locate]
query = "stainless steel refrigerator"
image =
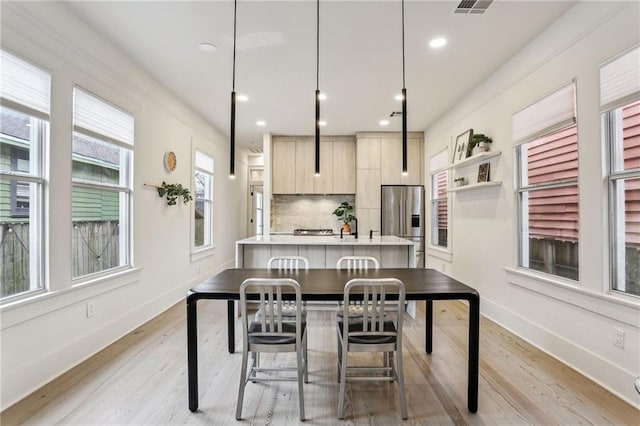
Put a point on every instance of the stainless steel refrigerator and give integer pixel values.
(402, 214)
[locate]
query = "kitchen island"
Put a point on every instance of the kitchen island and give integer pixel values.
(324, 251)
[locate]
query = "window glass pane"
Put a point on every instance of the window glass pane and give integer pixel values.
(199, 223)
(97, 161)
(202, 211)
(631, 136)
(550, 231)
(202, 186)
(15, 140)
(19, 238)
(439, 209)
(96, 235)
(627, 236)
(551, 158)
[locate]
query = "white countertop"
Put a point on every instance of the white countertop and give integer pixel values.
(332, 240)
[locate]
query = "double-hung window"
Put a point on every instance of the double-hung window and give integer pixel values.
(545, 134)
(203, 212)
(102, 175)
(24, 135)
(439, 200)
(620, 106)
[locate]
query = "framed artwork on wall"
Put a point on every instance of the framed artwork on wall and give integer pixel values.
(483, 172)
(462, 143)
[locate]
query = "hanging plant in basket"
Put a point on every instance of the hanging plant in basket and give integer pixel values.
(172, 191)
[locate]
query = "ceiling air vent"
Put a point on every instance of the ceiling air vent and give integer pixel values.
(396, 114)
(473, 7)
(255, 150)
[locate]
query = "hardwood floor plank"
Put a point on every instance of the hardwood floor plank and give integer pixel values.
(141, 379)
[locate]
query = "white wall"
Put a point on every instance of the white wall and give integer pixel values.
(45, 336)
(573, 322)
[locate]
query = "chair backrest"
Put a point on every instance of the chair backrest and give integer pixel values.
(357, 263)
(288, 263)
(269, 293)
(375, 294)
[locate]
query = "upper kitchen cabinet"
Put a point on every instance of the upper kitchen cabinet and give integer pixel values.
(283, 174)
(294, 165)
(391, 167)
(344, 166)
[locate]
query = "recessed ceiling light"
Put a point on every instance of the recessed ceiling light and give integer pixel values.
(322, 96)
(243, 98)
(384, 122)
(322, 123)
(261, 123)
(207, 47)
(398, 97)
(438, 42)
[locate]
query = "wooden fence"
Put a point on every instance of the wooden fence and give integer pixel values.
(95, 248)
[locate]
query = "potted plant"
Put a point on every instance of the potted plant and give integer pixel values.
(461, 181)
(344, 213)
(480, 143)
(172, 191)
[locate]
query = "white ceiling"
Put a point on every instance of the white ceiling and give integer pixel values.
(360, 56)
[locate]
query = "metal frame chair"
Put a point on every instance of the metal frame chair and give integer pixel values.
(355, 263)
(287, 264)
(376, 330)
(272, 333)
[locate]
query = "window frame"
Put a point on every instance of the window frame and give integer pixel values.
(124, 189)
(616, 177)
(195, 249)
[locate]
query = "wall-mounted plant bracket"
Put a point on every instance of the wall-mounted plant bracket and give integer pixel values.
(172, 191)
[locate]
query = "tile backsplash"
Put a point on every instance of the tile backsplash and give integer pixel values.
(289, 212)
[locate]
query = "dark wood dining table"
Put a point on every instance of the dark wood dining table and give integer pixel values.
(328, 285)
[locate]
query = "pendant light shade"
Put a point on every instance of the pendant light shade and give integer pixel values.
(317, 96)
(232, 131)
(404, 106)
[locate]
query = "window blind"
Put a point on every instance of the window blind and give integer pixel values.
(204, 162)
(438, 161)
(551, 113)
(25, 84)
(620, 80)
(95, 117)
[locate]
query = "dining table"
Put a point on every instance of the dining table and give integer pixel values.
(328, 285)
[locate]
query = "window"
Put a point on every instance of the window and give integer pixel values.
(439, 200)
(203, 212)
(102, 161)
(24, 135)
(620, 105)
(547, 184)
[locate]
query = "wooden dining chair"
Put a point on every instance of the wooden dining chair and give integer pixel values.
(272, 333)
(376, 330)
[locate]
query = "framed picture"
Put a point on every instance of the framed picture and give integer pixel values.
(483, 172)
(462, 143)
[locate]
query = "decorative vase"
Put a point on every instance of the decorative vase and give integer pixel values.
(476, 150)
(484, 146)
(346, 228)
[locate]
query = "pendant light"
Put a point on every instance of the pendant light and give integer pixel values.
(317, 169)
(232, 132)
(404, 106)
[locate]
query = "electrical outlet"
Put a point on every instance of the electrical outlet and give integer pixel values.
(91, 309)
(618, 337)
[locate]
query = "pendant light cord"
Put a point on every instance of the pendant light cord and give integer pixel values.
(317, 44)
(403, 83)
(235, 9)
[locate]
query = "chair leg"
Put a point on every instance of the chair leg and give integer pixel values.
(306, 359)
(343, 383)
(339, 346)
(300, 385)
(400, 375)
(243, 382)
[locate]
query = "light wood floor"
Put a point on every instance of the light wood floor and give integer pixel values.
(141, 379)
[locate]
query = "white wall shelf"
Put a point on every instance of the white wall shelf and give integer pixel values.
(474, 159)
(475, 186)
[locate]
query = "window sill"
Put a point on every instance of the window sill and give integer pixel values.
(440, 253)
(616, 307)
(41, 304)
(201, 253)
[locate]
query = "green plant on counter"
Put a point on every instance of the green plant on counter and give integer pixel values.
(343, 211)
(172, 191)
